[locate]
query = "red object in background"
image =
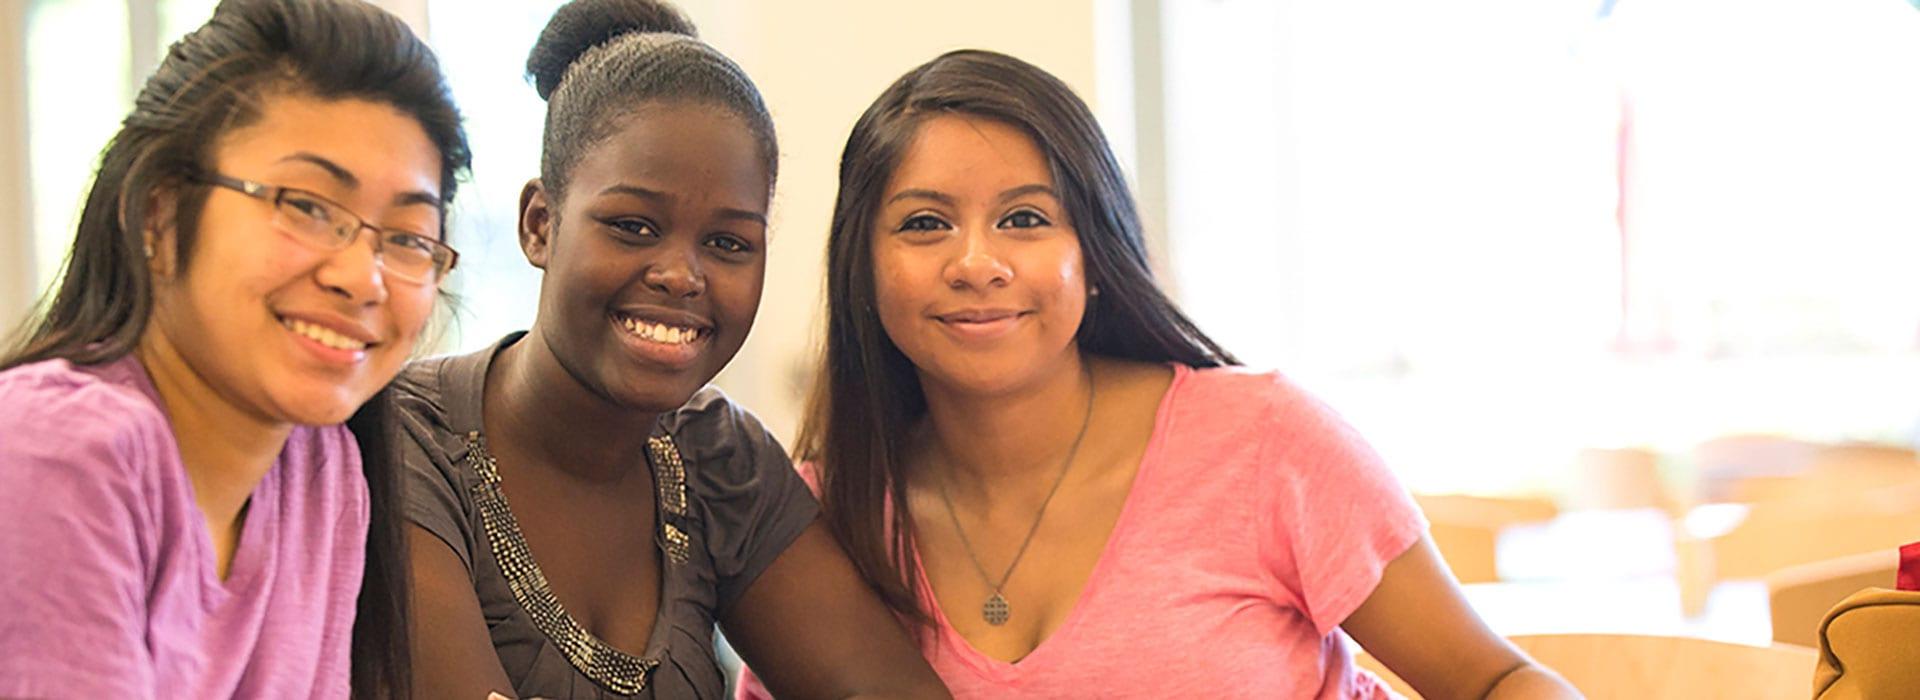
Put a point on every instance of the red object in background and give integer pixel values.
(1909, 578)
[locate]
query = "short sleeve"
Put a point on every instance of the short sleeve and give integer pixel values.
(756, 504)
(1337, 516)
(75, 549)
(431, 477)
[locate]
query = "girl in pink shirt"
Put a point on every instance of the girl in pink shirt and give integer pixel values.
(1041, 462)
(186, 514)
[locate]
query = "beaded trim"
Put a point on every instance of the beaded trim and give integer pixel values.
(611, 668)
(670, 484)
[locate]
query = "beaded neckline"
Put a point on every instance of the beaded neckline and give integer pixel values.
(613, 669)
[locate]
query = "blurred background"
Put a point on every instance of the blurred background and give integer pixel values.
(1622, 289)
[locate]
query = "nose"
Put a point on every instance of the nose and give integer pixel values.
(978, 264)
(355, 272)
(676, 273)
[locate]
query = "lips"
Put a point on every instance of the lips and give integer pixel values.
(978, 315)
(331, 338)
(980, 324)
(663, 336)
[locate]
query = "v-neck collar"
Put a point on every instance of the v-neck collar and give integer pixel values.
(1039, 657)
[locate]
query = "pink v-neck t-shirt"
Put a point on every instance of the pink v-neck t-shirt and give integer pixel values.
(108, 586)
(1258, 521)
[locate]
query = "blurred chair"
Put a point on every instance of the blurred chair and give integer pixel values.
(1861, 466)
(1721, 462)
(1801, 595)
(1466, 529)
(1615, 479)
(1637, 667)
(1774, 535)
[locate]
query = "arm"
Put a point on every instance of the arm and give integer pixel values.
(73, 552)
(810, 628)
(453, 654)
(1417, 623)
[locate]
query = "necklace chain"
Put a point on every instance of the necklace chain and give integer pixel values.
(996, 611)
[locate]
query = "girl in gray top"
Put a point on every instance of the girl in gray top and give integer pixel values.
(583, 510)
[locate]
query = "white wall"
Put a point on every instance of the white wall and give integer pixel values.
(16, 214)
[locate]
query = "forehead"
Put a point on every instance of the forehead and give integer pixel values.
(688, 149)
(385, 149)
(962, 154)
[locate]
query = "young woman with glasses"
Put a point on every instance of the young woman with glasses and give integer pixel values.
(261, 248)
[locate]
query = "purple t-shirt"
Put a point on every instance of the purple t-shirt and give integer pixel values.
(107, 578)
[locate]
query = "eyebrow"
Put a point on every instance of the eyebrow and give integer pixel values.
(940, 197)
(348, 180)
(664, 198)
(1024, 190)
(947, 199)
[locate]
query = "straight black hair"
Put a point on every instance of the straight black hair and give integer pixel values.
(867, 394)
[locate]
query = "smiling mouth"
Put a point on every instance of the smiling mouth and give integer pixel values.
(657, 332)
(978, 317)
(322, 335)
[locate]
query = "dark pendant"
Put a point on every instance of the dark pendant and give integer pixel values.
(996, 610)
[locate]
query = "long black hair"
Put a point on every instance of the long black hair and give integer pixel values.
(211, 82)
(867, 393)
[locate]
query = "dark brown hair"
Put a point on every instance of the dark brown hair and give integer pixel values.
(212, 81)
(867, 394)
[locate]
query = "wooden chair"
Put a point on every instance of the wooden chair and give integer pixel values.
(1775, 535)
(1800, 596)
(1466, 528)
(1722, 462)
(1617, 479)
(1605, 666)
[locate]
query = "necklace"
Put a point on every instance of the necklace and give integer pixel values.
(996, 610)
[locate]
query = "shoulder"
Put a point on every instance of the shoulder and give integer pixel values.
(1264, 416)
(713, 422)
(81, 411)
(1265, 400)
(725, 446)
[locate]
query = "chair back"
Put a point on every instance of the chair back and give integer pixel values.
(1645, 667)
(1800, 596)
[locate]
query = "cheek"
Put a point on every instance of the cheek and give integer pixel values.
(1059, 275)
(411, 307)
(736, 293)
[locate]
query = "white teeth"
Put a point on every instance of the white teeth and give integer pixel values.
(323, 335)
(660, 332)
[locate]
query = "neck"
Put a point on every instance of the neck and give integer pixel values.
(1015, 439)
(535, 404)
(226, 449)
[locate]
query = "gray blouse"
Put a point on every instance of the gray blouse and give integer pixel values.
(728, 504)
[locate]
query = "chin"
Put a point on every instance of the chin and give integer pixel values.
(328, 406)
(653, 394)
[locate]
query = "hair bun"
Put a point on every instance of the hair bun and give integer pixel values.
(580, 25)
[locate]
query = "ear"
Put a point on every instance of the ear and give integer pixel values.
(536, 223)
(159, 234)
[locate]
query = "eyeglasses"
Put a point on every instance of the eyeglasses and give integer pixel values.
(324, 224)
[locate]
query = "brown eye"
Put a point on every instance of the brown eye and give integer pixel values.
(924, 222)
(302, 206)
(730, 245)
(634, 228)
(1024, 218)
